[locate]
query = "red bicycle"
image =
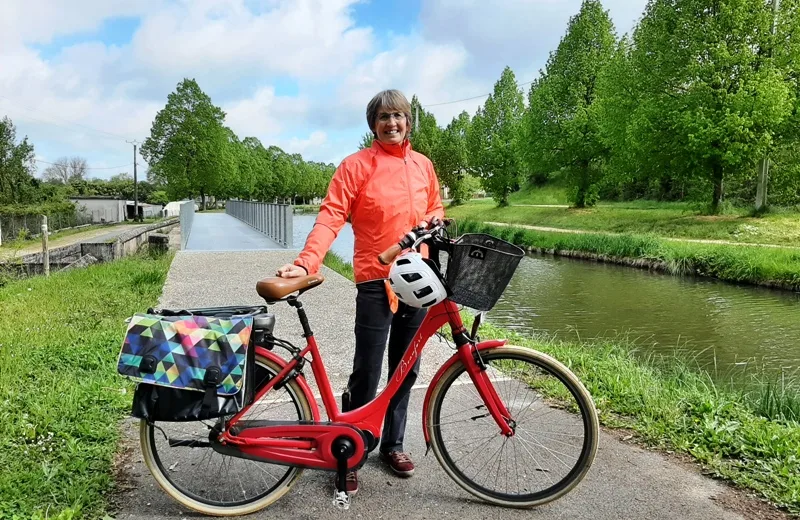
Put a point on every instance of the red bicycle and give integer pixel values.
(510, 425)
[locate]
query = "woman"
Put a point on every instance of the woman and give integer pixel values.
(386, 190)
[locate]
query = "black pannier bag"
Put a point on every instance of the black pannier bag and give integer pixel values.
(192, 364)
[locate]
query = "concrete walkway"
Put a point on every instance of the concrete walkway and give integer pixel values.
(222, 232)
(54, 241)
(625, 482)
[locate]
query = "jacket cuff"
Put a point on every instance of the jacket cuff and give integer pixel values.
(299, 264)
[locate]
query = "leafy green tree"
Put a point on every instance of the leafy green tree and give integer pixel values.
(366, 140)
(451, 160)
(493, 139)
(188, 145)
(17, 184)
(702, 98)
(561, 125)
(425, 133)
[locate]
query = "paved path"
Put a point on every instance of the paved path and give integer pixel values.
(625, 482)
(222, 232)
(671, 239)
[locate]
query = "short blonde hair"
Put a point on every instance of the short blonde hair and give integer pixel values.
(390, 100)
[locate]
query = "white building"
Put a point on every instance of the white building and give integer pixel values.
(102, 209)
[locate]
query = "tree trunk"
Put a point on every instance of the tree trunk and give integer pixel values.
(716, 177)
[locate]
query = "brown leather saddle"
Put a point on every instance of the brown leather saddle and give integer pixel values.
(274, 288)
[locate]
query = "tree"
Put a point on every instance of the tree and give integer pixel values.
(493, 138)
(425, 133)
(451, 160)
(67, 170)
(16, 166)
(366, 140)
(188, 145)
(561, 124)
(707, 99)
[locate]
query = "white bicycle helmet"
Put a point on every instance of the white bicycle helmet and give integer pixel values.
(415, 282)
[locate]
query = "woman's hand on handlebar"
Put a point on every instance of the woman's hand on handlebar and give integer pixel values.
(291, 271)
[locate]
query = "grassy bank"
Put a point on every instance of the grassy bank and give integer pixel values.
(773, 267)
(735, 435)
(675, 220)
(750, 437)
(61, 396)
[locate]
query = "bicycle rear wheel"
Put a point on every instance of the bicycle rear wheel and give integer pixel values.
(180, 456)
(555, 429)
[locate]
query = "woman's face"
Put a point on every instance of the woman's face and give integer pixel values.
(391, 126)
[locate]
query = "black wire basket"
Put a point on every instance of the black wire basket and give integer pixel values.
(479, 269)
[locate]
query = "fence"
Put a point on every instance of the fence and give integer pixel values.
(31, 225)
(274, 220)
(187, 218)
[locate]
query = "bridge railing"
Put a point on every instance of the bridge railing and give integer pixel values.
(273, 220)
(186, 219)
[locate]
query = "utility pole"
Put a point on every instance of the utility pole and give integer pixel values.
(135, 185)
(763, 164)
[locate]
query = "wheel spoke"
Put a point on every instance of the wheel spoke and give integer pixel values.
(198, 475)
(532, 465)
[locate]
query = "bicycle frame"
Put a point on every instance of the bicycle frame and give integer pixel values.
(306, 444)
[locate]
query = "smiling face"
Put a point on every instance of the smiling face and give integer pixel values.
(391, 126)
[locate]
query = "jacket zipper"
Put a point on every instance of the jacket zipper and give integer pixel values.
(408, 185)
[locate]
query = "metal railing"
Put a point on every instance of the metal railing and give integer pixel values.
(273, 220)
(187, 218)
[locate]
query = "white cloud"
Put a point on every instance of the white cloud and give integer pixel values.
(240, 51)
(304, 39)
(39, 21)
(264, 114)
(517, 33)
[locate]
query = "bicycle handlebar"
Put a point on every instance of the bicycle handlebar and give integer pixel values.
(388, 256)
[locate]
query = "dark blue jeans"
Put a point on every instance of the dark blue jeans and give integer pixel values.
(374, 324)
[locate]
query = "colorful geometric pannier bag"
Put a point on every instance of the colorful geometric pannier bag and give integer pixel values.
(189, 367)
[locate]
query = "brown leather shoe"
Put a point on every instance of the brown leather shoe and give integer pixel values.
(401, 464)
(350, 484)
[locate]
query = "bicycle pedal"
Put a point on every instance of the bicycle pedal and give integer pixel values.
(341, 500)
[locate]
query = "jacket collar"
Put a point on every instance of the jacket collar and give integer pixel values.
(398, 150)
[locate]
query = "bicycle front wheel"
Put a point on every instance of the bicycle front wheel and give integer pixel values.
(183, 462)
(554, 421)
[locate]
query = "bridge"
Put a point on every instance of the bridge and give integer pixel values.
(245, 226)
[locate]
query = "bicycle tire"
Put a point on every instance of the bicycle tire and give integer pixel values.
(204, 505)
(444, 454)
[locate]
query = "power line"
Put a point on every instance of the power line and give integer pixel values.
(88, 168)
(472, 98)
(116, 136)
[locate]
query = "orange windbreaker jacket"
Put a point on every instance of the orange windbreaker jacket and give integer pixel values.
(387, 190)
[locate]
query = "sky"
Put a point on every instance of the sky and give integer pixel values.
(86, 77)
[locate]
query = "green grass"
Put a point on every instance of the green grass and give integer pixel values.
(340, 265)
(675, 220)
(755, 265)
(747, 434)
(547, 194)
(61, 398)
(18, 244)
(672, 406)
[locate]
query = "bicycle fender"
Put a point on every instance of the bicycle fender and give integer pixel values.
(483, 345)
(301, 381)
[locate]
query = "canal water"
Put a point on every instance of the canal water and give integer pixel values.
(725, 328)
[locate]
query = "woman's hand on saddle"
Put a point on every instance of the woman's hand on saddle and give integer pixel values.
(291, 271)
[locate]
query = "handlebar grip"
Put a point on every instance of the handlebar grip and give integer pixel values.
(388, 256)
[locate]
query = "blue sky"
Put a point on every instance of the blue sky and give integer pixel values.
(82, 77)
